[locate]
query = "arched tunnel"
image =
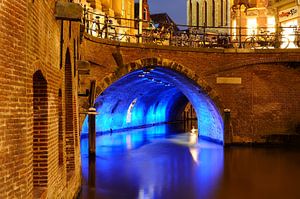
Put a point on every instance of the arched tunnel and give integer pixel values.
(155, 95)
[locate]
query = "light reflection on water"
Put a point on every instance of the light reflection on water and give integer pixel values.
(153, 164)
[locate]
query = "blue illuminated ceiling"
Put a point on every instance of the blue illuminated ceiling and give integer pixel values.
(151, 96)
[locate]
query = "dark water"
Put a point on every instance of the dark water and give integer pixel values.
(148, 164)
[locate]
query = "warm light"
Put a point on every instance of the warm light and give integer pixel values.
(193, 138)
(234, 29)
(288, 31)
(97, 25)
(195, 154)
(194, 130)
(251, 25)
(271, 23)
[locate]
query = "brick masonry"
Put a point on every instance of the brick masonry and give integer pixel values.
(38, 157)
(264, 107)
(39, 132)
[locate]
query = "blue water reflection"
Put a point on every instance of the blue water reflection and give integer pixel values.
(151, 163)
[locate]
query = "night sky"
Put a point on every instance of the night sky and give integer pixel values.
(176, 9)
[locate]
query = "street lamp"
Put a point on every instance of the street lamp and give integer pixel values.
(239, 6)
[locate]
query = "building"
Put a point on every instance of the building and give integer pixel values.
(146, 13)
(287, 16)
(265, 17)
(113, 8)
(163, 20)
(39, 134)
(120, 15)
(251, 17)
(211, 13)
(286, 12)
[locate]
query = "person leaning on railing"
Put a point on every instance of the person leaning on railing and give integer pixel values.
(297, 36)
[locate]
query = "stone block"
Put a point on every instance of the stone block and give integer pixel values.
(68, 11)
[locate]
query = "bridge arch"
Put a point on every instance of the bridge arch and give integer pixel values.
(155, 90)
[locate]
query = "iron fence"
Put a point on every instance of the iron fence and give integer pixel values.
(126, 30)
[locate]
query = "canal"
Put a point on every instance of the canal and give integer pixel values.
(162, 163)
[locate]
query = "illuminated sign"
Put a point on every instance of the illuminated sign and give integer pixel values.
(288, 13)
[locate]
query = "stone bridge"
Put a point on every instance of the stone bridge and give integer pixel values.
(239, 95)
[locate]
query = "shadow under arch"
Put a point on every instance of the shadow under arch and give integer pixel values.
(154, 91)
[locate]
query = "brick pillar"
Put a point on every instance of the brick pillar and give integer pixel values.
(227, 128)
(92, 132)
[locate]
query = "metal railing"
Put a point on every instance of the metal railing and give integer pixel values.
(126, 30)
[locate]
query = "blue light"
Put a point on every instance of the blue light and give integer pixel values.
(123, 141)
(154, 103)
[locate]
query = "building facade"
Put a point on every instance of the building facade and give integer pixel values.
(259, 17)
(211, 13)
(114, 8)
(119, 12)
(145, 15)
(287, 16)
(250, 17)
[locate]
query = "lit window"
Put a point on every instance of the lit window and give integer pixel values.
(288, 33)
(234, 29)
(251, 25)
(271, 24)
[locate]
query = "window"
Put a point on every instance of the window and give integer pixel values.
(40, 130)
(145, 14)
(251, 25)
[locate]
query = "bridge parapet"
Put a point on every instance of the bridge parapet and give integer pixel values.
(126, 30)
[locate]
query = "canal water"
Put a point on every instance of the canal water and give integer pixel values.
(159, 163)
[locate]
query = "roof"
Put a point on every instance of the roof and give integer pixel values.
(163, 19)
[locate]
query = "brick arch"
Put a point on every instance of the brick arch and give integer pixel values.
(165, 63)
(37, 65)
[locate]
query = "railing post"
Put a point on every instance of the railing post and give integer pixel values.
(84, 15)
(140, 20)
(87, 21)
(106, 26)
(240, 36)
(139, 35)
(204, 35)
(170, 31)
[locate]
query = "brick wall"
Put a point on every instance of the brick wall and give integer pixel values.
(33, 140)
(265, 104)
